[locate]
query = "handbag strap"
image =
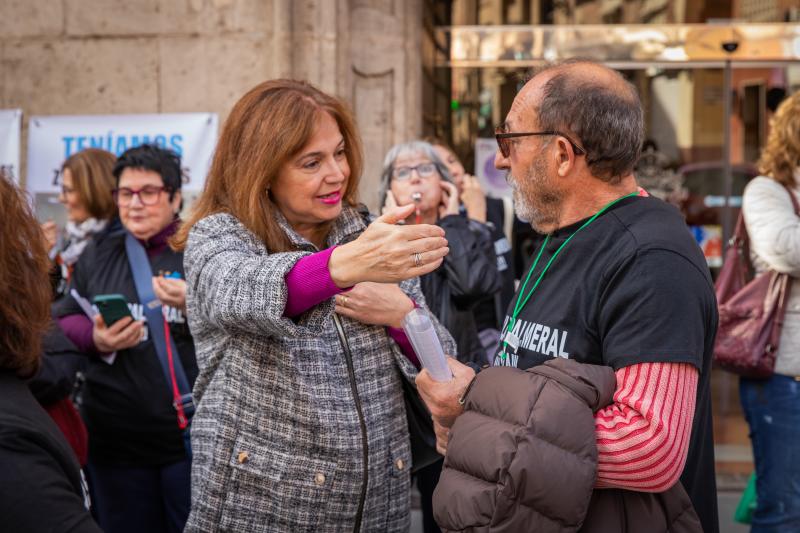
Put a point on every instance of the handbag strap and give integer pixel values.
(171, 364)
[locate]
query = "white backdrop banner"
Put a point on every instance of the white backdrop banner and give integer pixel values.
(10, 125)
(52, 139)
(492, 180)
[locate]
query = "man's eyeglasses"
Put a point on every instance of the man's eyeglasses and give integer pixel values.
(147, 195)
(425, 170)
(504, 139)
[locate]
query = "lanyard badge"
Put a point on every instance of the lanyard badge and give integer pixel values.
(509, 340)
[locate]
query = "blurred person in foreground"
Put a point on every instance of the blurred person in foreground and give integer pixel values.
(497, 214)
(772, 406)
(42, 487)
(87, 184)
(618, 282)
(139, 466)
(413, 174)
(301, 424)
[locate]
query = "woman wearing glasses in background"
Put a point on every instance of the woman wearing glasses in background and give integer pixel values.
(138, 465)
(414, 174)
(87, 183)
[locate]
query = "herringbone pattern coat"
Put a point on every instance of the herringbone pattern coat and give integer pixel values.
(276, 437)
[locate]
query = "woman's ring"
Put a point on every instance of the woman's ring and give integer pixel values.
(343, 301)
(418, 259)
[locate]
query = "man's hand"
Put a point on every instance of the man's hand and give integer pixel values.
(442, 397)
(442, 436)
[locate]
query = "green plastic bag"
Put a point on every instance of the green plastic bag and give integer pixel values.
(747, 504)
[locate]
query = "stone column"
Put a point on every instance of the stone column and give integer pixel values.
(386, 88)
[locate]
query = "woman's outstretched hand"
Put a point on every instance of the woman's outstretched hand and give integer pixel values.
(389, 253)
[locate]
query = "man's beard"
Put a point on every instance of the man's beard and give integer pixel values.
(535, 201)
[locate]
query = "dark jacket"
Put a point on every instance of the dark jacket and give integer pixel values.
(523, 457)
(61, 361)
(42, 488)
(467, 275)
(54, 385)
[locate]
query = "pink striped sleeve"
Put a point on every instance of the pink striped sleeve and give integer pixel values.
(643, 437)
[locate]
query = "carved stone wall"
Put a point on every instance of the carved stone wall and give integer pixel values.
(150, 56)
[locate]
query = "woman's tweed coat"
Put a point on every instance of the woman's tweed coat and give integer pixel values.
(276, 437)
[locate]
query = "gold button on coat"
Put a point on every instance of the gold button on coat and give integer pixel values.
(400, 464)
(319, 479)
(242, 457)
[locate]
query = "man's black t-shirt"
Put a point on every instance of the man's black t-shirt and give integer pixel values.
(632, 287)
(127, 405)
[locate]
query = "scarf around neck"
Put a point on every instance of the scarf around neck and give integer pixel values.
(78, 236)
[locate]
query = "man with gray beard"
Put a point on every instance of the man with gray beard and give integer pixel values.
(617, 281)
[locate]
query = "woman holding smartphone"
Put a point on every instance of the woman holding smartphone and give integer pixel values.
(138, 462)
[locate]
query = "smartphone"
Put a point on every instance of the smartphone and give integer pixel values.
(112, 307)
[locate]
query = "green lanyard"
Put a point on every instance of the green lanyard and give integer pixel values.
(509, 338)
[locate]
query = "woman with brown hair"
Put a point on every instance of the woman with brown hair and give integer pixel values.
(300, 422)
(42, 487)
(87, 183)
(772, 406)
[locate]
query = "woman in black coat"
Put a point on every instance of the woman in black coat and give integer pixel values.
(42, 486)
(413, 173)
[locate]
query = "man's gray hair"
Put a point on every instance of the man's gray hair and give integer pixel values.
(606, 118)
(409, 148)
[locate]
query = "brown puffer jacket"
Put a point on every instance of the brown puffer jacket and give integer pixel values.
(523, 457)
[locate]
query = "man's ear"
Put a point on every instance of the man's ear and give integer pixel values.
(564, 157)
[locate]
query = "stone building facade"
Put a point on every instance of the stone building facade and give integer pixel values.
(160, 56)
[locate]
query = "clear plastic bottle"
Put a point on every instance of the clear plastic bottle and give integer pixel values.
(420, 331)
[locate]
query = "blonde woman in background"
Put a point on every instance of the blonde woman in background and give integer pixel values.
(87, 183)
(772, 406)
